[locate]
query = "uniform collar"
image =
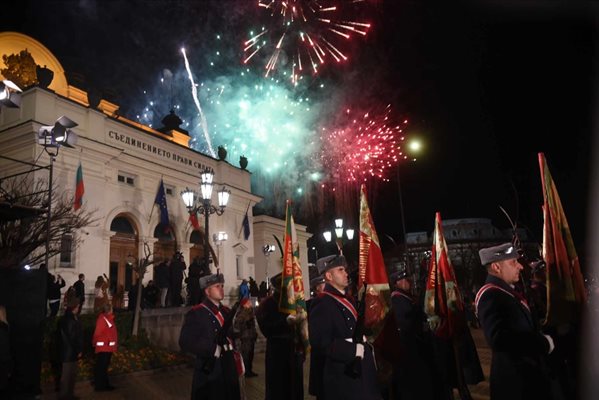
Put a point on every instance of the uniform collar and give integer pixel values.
(335, 292)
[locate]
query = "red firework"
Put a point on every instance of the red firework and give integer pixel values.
(304, 34)
(362, 147)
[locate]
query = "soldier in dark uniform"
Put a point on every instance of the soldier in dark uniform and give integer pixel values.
(332, 322)
(213, 377)
(411, 372)
(518, 369)
(316, 361)
(284, 361)
(316, 287)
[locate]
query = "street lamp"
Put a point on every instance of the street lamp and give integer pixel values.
(339, 231)
(203, 205)
(52, 137)
(9, 94)
(218, 239)
(415, 146)
(267, 250)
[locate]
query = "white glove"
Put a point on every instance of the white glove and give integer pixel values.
(218, 351)
(360, 350)
(551, 344)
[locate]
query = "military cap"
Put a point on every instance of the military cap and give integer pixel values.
(316, 281)
(210, 280)
(326, 263)
(397, 275)
(506, 251)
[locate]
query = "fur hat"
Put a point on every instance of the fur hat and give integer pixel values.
(210, 280)
(326, 263)
(505, 251)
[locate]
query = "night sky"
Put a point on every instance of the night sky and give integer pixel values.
(486, 86)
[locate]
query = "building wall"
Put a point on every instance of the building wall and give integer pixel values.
(107, 147)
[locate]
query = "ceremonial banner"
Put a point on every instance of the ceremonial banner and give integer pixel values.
(371, 267)
(79, 189)
(565, 286)
(443, 303)
(293, 299)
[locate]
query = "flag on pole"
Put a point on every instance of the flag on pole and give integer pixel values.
(79, 189)
(293, 299)
(443, 303)
(565, 286)
(193, 220)
(371, 267)
(160, 200)
(246, 226)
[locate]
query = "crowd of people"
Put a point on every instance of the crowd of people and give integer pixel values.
(343, 364)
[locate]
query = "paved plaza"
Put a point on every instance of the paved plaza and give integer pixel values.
(175, 383)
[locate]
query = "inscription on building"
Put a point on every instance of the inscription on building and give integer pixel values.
(156, 150)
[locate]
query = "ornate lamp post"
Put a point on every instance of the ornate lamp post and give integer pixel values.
(218, 239)
(267, 250)
(52, 137)
(204, 206)
(339, 231)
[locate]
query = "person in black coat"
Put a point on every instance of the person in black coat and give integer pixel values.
(161, 277)
(283, 360)
(176, 268)
(80, 291)
(193, 282)
(332, 321)
(411, 372)
(70, 340)
(518, 368)
(5, 359)
(55, 283)
(215, 375)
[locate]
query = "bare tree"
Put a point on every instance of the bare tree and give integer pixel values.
(141, 268)
(23, 240)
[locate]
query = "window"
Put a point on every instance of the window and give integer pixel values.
(66, 250)
(125, 178)
(169, 190)
(239, 266)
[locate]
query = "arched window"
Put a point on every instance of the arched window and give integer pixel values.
(122, 224)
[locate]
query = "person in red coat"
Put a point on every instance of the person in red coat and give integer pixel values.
(105, 343)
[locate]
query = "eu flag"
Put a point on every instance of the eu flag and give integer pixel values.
(246, 227)
(160, 200)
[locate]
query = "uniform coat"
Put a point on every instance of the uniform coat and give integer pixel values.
(199, 336)
(332, 328)
(411, 371)
(518, 368)
(284, 365)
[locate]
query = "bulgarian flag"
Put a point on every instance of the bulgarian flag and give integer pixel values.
(293, 299)
(443, 303)
(193, 220)
(79, 189)
(371, 267)
(565, 287)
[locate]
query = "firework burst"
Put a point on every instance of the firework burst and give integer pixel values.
(303, 35)
(361, 146)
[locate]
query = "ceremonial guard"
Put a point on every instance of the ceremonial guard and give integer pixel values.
(411, 372)
(518, 368)
(332, 322)
(205, 334)
(284, 361)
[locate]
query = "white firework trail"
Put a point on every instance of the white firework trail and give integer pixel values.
(196, 100)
